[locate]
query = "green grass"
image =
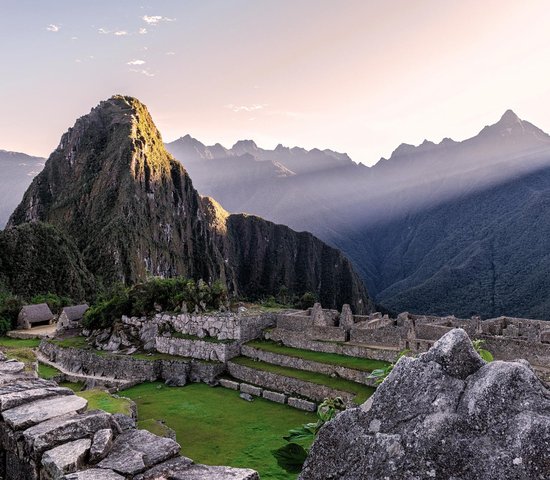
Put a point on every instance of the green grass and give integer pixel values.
(214, 426)
(72, 342)
(362, 392)
(46, 371)
(154, 426)
(74, 386)
(356, 363)
(101, 400)
(19, 343)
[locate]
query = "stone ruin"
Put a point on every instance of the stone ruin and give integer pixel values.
(46, 433)
(380, 337)
(444, 415)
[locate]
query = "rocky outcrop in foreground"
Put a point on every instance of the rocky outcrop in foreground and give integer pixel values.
(445, 415)
(46, 433)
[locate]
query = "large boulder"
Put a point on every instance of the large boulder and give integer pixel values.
(445, 415)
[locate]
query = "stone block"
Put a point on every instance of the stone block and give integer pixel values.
(229, 384)
(302, 404)
(274, 396)
(136, 450)
(38, 411)
(53, 432)
(101, 444)
(251, 389)
(66, 458)
(94, 474)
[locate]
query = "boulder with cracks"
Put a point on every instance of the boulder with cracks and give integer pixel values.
(446, 415)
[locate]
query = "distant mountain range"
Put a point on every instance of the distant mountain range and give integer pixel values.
(111, 190)
(419, 226)
(17, 171)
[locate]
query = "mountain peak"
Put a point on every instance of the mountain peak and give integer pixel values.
(509, 118)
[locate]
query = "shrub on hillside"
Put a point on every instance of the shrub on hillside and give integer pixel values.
(55, 302)
(10, 306)
(157, 294)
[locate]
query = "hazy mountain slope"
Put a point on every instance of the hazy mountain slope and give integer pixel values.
(487, 253)
(132, 211)
(377, 215)
(17, 171)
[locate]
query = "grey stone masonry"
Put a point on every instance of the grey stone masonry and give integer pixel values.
(444, 415)
(46, 434)
(224, 382)
(251, 389)
(302, 404)
(274, 396)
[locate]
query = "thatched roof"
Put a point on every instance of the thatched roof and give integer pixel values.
(37, 313)
(76, 312)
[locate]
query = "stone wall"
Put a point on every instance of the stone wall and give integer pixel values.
(308, 365)
(223, 326)
(299, 340)
(200, 349)
(287, 385)
(87, 362)
(381, 336)
(326, 334)
(46, 433)
(431, 332)
(512, 348)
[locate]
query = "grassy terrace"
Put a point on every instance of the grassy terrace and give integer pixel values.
(362, 392)
(356, 363)
(214, 426)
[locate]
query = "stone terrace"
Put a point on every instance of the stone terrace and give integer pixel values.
(47, 433)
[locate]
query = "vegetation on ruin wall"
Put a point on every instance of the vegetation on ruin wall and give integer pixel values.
(156, 294)
(362, 392)
(355, 363)
(241, 434)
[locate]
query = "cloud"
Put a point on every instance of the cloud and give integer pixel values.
(142, 31)
(53, 28)
(145, 72)
(102, 31)
(120, 33)
(136, 62)
(246, 108)
(170, 53)
(156, 19)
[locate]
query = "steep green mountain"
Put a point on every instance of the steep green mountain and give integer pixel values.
(18, 170)
(132, 211)
(37, 258)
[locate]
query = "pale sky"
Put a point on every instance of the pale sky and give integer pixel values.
(357, 76)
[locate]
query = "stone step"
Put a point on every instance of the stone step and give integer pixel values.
(269, 394)
(292, 382)
(292, 358)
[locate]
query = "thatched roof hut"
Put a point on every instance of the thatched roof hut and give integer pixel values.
(71, 316)
(34, 315)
